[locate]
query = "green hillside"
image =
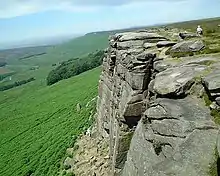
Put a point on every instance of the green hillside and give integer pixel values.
(38, 124)
(39, 66)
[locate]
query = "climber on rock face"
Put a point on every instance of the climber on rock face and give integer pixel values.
(199, 30)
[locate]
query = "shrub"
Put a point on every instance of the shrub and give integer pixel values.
(16, 84)
(75, 66)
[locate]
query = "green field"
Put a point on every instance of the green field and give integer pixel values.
(77, 47)
(38, 122)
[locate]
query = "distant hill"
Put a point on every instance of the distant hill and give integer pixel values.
(37, 62)
(37, 42)
(22, 53)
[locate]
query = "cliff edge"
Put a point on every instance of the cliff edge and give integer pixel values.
(158, 111)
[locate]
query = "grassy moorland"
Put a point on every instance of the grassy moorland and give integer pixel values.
(38, 124)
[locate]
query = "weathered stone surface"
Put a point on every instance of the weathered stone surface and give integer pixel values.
(174, 134)
(194, 157)
(165, 43)
(197, 46)
(68, 162)
(218, 100)
(187, 35)
(130, 44)
(176, 81)
(137, 81)
(146, 56)
(161, 66)
(179, 138)
(200, 61)
(134, 110)
(188, 46)
(70, 151)
(212, 83)
(138, 36)
(149, 45)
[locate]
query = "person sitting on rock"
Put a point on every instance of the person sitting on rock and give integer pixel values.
(199, 30)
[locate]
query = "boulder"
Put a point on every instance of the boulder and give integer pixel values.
(165, 44)
(187, 35)
(145, 56)
(161, 66)
(138, 36)
(130, 44)
(176, 136)
(200, 61)
(197, 46)
(70, 151)
(149, 45)
(68, 163)
(176, 81)
(188, 46)
(212, 83)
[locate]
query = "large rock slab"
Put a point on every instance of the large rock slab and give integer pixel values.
(176, 81)
(196, 156)
(188, 46)
(137, 36)
(165, 44)
(187, 35)
(212, 83)
(200, 61)
(161, 65)
(130, 44)
(177, 137)
(149, 45)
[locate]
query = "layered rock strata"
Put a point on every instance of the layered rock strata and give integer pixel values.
(150, 107)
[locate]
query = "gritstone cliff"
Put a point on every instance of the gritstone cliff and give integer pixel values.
(154, 109)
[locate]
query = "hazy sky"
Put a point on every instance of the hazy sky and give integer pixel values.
(27, 19)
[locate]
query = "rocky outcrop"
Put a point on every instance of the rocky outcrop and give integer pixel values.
(172, 139)
(188, 46)
(176, 81)
(212, 83)
(188, 35)
(151, 108)
(126, 74)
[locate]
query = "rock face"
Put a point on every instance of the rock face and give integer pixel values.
(176, 81)
(188, 46)
(187, 35)
(171, 138)
(149, 110)
(165, 44)
(212, 83)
